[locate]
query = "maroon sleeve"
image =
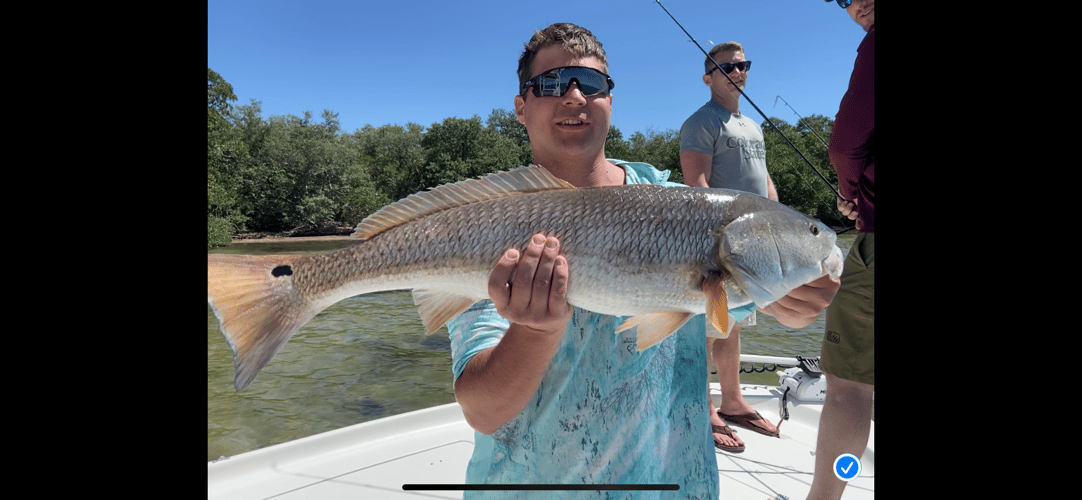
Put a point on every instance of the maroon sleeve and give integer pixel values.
(851, 140)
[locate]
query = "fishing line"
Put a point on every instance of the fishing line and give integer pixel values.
(806, 124)
(768, 120)
(802, 178)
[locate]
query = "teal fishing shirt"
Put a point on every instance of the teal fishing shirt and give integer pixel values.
(604, 412)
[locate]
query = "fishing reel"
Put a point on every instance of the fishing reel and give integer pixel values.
(801, 383)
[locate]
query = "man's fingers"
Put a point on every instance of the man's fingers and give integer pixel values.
(522, 286)
(499, 287)
(558, 289)
(542, 281)
(530, 287)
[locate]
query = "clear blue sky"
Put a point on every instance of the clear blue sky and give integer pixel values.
(423, 61)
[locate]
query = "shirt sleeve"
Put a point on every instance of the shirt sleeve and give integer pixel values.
(698, 134)
(851, 139)
(473, 331)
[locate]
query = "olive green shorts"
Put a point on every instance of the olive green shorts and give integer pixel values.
(849, 343)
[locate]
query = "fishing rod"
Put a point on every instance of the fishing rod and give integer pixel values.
(768, 120)
(802, 119)
(817, 136)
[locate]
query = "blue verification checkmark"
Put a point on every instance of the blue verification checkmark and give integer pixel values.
(847, 466)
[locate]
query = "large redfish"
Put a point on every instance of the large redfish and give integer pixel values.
(639, 251)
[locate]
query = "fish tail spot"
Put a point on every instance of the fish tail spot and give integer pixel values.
(256, 313)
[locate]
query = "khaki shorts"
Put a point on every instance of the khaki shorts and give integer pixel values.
(849, 343)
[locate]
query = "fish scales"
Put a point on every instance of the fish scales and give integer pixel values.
(608, 247)
(639, 251)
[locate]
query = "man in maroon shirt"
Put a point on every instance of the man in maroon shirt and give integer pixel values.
(849, 343)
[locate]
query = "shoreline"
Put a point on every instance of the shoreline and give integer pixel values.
(286, 239)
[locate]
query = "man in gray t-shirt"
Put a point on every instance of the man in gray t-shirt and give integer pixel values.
(721, 148)
(734, 146)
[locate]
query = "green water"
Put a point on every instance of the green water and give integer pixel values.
(367, 357)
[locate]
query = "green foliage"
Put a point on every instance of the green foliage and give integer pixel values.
(505, 123)
(295, 173)
(220, 223)
(459, 149)
(798, 185)
(300, 175)
(391, 155)
(615, 146)
(219, 92)
(365, 199)
(226, 154)
(660, 149)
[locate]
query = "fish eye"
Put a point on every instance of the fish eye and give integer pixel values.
(815, 230)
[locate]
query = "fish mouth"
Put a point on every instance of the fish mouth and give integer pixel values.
(832, 265)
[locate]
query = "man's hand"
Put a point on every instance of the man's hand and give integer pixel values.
(537, 296)
(802, 305)
(849, 209)
(529, 289)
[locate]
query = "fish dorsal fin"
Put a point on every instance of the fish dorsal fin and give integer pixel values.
(498, 185)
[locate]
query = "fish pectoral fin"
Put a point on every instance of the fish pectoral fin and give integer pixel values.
(653, 328)
(717, 307)
(438, 307)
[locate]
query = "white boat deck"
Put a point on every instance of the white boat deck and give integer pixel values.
(374, 460)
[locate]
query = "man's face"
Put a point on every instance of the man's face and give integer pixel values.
(863, 12)
(569, 124)
(720, 85)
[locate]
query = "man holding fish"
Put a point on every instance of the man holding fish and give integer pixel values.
(576, 316)
(553, 396)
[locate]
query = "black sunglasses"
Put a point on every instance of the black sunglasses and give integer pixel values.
(843, 3)
(556, 81)
(729, 67)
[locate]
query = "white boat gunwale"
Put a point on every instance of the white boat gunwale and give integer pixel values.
(377, 459)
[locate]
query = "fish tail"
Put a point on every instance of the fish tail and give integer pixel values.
(257, 307)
